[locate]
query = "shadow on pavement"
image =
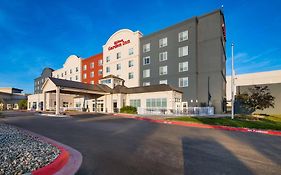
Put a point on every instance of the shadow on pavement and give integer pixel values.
(207, 156)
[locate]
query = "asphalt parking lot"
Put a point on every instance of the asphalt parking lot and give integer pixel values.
(113, 145)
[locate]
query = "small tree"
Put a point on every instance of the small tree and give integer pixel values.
(22, 104)
(259, 98)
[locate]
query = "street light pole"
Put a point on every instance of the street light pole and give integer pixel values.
(232, 81)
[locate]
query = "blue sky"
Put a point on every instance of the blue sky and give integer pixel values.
(38, 34)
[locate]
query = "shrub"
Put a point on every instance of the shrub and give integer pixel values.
(22, 104)
(128, 109)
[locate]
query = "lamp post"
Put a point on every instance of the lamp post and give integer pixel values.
(232, 81)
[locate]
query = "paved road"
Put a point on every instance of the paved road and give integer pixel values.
(112, 145)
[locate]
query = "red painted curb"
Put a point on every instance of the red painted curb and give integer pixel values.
(56, 165)
(198, 125)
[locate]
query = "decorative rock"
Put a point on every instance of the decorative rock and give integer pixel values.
(21, 153)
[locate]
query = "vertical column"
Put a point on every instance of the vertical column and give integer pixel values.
(57, 100)
(44, 101)
(96, 104)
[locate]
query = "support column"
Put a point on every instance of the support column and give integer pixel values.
(96, 104)
(44, 101)
(57, 100)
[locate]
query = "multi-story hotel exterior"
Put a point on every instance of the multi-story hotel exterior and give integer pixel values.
(71, 69)
(121, 56)
(189, 55)
(92, 69)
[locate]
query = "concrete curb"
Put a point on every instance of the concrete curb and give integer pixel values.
(68, 162)
(206, 126)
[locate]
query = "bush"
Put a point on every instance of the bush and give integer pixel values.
(22, 104)
(128, 110)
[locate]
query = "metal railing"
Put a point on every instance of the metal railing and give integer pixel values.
(190, 111)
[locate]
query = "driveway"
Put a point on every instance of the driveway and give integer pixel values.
(112, 145)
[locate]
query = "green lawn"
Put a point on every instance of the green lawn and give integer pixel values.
(267, 122)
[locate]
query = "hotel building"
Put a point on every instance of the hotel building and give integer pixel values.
(188, 56)
(39, 81)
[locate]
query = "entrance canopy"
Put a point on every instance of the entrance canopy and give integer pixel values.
(55, 85)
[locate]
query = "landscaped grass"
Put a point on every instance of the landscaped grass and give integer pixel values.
(265, 122)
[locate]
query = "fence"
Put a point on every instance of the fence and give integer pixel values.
(191, 111)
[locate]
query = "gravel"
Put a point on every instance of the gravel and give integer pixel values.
(22, 153)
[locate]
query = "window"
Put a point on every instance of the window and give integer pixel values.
(70, 71)
(156, 103)
(135, 103)
(131, 75)
(77, 69)
(183, 82)
(70, 78)
(107, 69)
(146, 73)
(118, 66)
(84, 75)
(85, 67)
(118, 55)
(43, 80)
(107, 59)
(100, 62)
(76, 77)
(146, 83)
(92, 82)
(131, 63)
(163, 70)
(163, 82)
(131, 51)
(146, 60)
(183, 36)
(65, 73)
(146, 47)
(92, 65)
(183, 66)
(100, 71)
(106, 81)
(61, 74)
(163, 42)
(163, 56)
(92, 74)
(183, 51)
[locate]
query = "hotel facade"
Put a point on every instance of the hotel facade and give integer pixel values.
(186, 59)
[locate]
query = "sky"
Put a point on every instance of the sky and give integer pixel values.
(37, 34)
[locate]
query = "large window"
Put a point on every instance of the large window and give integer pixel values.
(107, 69)
(135, 103)
(85, 67)
(156, 103)
(183, 51)
(163, 82)
(106, 81)
(183, 82)
(146, 47)
(146, 60)
(146, 83)
(146, 73)
(131, 51)
(163, 56)
(163, 42)
(84, 75)
(183, 66)
(118, 66)
(131, 75)
(183, 36)
(163, 70)
(77, 69)
(131, 63)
